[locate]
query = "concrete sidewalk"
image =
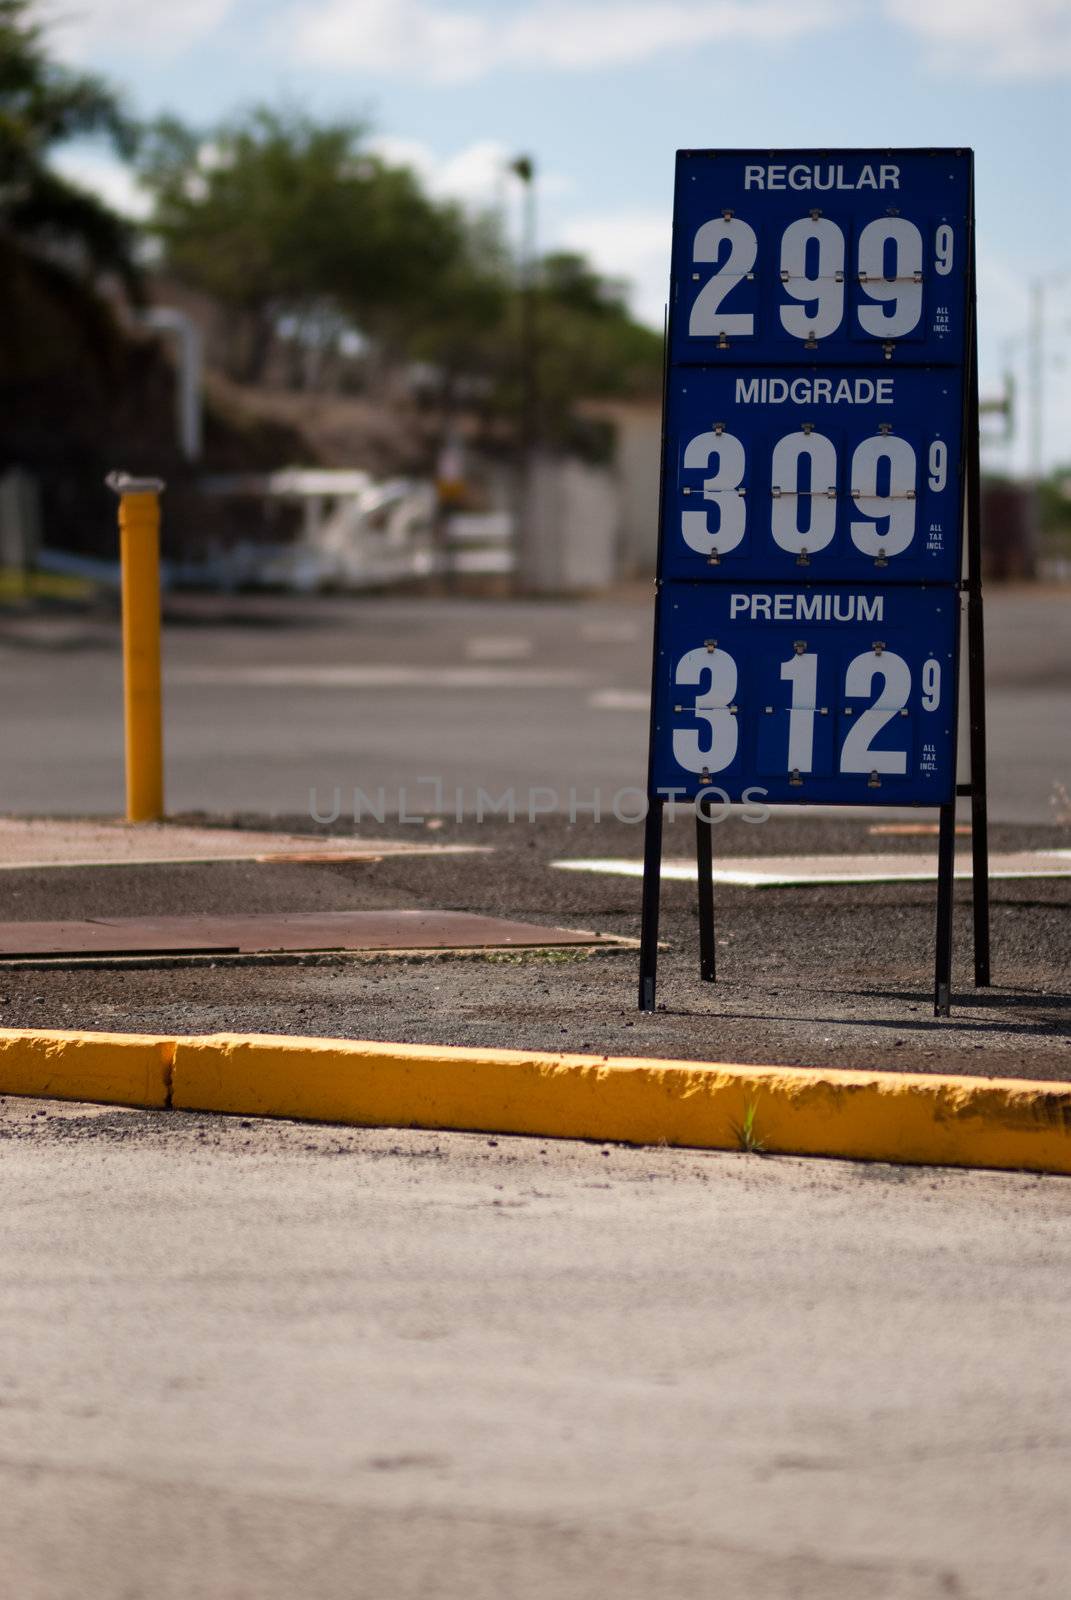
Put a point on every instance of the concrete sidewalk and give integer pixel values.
(270, 1360)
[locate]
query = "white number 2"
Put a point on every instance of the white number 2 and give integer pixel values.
(856, 754)
(707, 317)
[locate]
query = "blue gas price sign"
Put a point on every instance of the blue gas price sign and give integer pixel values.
(799, 694)
(858, 255)
(832, 473)
(818, 511)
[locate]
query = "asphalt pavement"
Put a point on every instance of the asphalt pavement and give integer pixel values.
(251, 1361)
(275, 703)
(245, 1360)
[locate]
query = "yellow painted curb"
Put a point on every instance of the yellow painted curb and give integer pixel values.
(864, 1116)
(122, 1069)
(875, 1116)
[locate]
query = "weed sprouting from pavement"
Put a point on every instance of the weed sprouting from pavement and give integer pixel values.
(747, 1136)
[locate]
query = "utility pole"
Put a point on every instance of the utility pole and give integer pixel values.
(1037, 348)
(1036, 379)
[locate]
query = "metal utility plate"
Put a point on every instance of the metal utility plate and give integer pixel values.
(301, 931)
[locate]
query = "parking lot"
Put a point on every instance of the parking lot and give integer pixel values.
(253, 1358)
(273, 703)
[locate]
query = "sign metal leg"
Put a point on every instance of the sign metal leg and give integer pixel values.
(946, 862)
(976, 664)
(980, 873)
(976, 709)
(979, 809)
(652, 888)
(704, 857)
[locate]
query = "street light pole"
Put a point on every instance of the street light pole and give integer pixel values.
(524, 168)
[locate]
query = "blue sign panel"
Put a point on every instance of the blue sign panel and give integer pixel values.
(832, 473)
(847, 256)
(828, 695)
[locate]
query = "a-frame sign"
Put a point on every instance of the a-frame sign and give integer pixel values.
(819, 505)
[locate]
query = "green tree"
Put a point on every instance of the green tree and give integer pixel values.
(47, 223)
(586, 344)
(296, 226)
(290, 221)
(592, 344)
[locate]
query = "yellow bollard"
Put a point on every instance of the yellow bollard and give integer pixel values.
(139, 547)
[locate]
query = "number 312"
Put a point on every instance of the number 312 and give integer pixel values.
(713, 704)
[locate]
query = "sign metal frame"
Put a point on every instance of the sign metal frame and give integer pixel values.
(965, 592)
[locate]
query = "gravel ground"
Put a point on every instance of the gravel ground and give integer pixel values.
(832, 976)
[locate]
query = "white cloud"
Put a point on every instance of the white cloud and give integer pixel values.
(452, 41)
(79, 29)
(105, 177)
(475, 175)
(990, 38)
(417, 38)
(632, 245)
(478, 174)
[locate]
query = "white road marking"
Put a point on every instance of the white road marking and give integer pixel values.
(609, 632)
(372, 675)
(769, 872)
(498, 647)
(620, 700)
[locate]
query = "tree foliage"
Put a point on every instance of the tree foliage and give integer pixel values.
(43, 105)
(296, 224)
(306, 239)
(284, 218)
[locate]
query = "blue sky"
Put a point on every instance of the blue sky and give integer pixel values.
(603, 93)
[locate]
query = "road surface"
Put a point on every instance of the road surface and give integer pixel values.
(273, 704)
(247, 1361)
